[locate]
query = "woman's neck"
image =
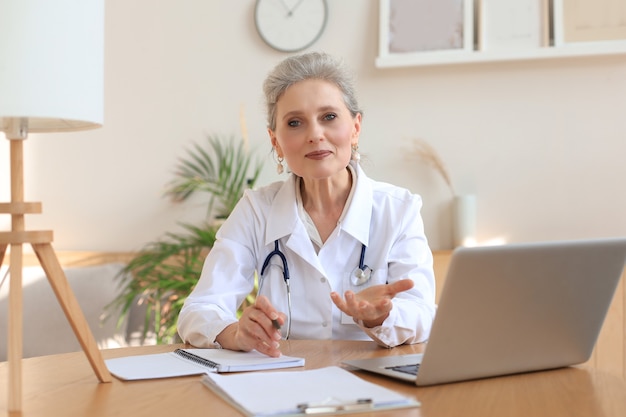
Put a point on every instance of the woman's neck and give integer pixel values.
(324, 200)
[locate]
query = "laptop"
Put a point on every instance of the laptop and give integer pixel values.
(514, 308)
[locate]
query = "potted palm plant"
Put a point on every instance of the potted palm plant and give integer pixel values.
(162, 274)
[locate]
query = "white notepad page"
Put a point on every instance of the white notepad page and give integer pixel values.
(173, 364)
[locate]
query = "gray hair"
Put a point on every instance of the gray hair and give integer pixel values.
(312, 65)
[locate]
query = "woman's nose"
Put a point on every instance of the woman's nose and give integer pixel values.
(315, 133)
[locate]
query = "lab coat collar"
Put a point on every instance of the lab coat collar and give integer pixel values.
(283, 219)
(359, 215)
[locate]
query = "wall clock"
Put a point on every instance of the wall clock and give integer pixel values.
(290, 25)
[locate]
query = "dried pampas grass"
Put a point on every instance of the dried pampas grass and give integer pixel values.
(424, 151)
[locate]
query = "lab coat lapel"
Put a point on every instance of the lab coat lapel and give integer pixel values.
(283, 216)
(283, 220)
(300, 243)
(359, 215)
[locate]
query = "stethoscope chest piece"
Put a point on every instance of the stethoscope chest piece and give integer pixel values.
(361, 275)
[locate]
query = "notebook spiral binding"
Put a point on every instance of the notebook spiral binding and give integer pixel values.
(197, 359)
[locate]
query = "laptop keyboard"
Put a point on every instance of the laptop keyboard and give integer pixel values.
(407, 369)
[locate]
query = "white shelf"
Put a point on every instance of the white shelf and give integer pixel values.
(466, 57)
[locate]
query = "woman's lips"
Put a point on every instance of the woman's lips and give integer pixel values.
(318, 154)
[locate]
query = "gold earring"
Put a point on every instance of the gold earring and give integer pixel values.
(279, 167)
(356, 156)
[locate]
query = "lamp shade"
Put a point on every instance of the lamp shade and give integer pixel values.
(52, 64)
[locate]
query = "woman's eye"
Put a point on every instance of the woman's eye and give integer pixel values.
(293, 123)
(330, 116)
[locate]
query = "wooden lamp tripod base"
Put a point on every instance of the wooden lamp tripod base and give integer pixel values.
(41, 243)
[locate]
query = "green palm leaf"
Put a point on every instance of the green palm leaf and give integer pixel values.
(163, 273)
(222, 173)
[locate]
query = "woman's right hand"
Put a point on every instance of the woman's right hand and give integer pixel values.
(255, 329)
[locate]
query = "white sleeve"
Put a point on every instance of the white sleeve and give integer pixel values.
(226, 280)
(409, 256)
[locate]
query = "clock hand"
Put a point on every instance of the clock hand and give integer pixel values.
(286, 7)
(293, 9)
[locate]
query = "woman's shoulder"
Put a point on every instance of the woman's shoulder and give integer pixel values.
(386, 190)
(256, 203)
(381, 189)
(265, 192)
(263, 197)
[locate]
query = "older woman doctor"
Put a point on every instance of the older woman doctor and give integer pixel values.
(345, 256)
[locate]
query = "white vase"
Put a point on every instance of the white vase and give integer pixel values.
(464, 220)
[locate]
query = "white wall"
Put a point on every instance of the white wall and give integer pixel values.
(541, 143)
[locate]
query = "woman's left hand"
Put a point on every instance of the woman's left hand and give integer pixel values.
(373, 304)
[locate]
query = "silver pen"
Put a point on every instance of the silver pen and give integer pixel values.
(358, 405)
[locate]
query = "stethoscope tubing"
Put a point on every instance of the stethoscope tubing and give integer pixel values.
(360, 276)
(286, 277)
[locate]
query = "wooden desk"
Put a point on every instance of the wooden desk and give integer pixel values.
(64, 385)
(609, 354)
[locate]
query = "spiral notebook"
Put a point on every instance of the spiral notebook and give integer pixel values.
(184, 362)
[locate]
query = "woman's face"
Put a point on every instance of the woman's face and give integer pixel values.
(314, 129)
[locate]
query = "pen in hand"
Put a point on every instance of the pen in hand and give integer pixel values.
(276, 324)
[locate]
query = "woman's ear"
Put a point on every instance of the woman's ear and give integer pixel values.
(275, 145)
(279, 152)
(356, 131)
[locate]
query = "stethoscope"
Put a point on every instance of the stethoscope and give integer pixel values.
(360, 275)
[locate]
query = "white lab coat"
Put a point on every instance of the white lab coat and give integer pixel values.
(384, 217)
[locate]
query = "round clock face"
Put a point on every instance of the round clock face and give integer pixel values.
(290, 25)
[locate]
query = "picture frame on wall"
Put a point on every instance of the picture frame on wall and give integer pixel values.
(583, 21)
(425, 27)
(512, 24)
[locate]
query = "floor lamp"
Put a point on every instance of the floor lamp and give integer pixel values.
(51, 80)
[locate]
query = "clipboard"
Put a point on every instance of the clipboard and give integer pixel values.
(326, 391)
